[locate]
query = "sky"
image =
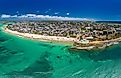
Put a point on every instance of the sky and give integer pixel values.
(92, 9)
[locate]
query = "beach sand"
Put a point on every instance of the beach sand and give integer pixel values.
(57, 39)
(54, 39)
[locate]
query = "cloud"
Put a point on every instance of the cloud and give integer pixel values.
(38, 11)
(44, 17)
(17, 12)
(8, 16)
(5, 16)
(56, 13)
(67, 13)
(48, 11)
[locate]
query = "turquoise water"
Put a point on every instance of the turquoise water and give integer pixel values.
(22, 58)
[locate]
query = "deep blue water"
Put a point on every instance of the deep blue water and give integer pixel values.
(97, 9)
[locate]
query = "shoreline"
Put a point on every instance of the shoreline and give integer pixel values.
(50, 39)
(99, 44)
(64, 40)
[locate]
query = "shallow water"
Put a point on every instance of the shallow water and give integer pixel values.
(22, 58)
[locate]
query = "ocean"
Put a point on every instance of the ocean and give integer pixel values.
(24, 58)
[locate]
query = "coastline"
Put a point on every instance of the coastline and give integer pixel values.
(64, 40)
(99, 44)
(50, 39)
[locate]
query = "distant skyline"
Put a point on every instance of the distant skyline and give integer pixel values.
(90, 9)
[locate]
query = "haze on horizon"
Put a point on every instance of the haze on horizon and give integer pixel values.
(94, 9)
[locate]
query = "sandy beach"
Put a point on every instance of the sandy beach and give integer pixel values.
(41, 37)
(61, 40)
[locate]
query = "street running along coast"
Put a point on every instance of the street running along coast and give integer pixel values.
(84, 36)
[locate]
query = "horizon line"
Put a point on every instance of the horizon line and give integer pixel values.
(33, 16)
(44, 17)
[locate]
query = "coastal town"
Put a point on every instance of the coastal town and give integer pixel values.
(83, 35)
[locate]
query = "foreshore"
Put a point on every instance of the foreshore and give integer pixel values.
(99, 44)
(65, 40)
(54, 39)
